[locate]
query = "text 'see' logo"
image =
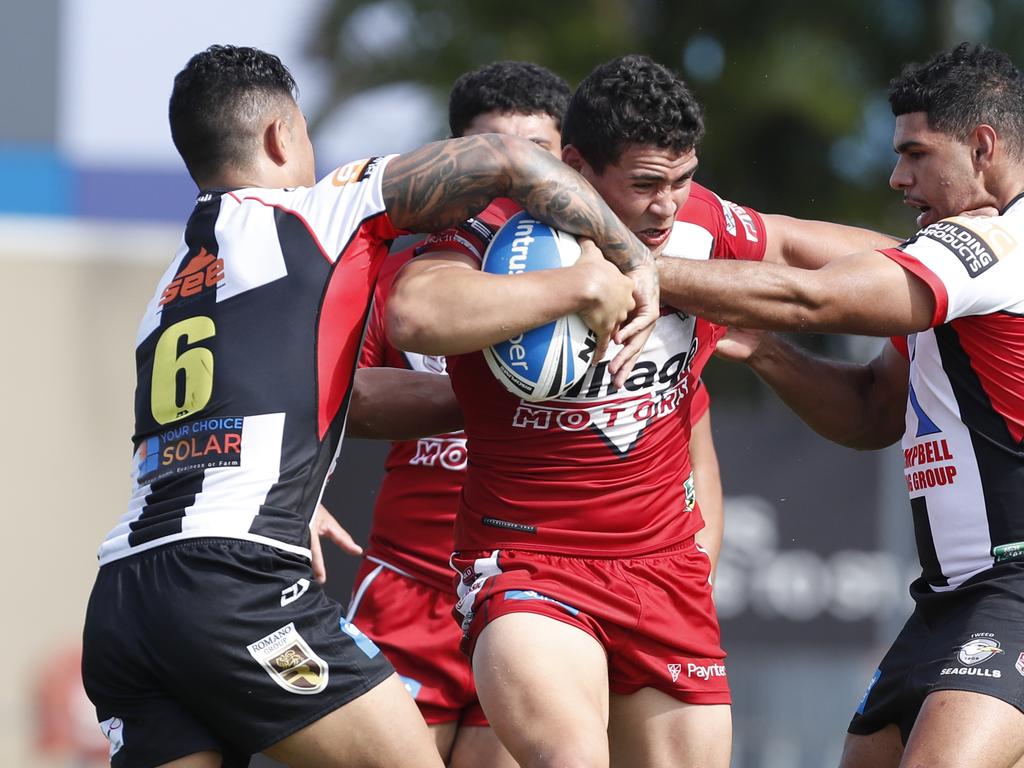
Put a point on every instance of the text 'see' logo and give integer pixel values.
(204, 270)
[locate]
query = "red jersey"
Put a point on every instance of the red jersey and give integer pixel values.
(598, 471)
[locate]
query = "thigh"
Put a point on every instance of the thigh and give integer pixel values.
(382, 728)
(477, 746)
(543, 684)
(957, 728)
(656, 730)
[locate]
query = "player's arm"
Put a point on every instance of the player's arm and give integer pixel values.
(444, 183)
(396, 404)
(857, 405)
(708, 485)
(864, 293)
(812, 244)
(442, 304)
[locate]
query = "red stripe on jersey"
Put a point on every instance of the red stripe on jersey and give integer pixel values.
(342, 314)
(290, 212)
(932, 280)
(995, 346)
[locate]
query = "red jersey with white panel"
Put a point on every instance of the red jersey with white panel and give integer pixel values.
(245, 359)
(599, 471)
(963, 455)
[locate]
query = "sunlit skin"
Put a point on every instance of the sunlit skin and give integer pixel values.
(296, 135)
(539, 128)
(938, 174)
(645, 188)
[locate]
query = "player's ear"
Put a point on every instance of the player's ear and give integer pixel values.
(984, 142)
(275, 140)
(572, 157)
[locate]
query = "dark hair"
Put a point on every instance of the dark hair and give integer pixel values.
(962, 88)
(217, 104)
(510, 87)
(631, 100)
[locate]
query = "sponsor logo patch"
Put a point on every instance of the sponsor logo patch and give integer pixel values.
(705, 671)
(969, 248)
(200, 444)
(1005, 552)
(1020, 663)
(674, 670)
(354, 172)
(980, 648)
(290, 662)
(294, 592)
(202, 271)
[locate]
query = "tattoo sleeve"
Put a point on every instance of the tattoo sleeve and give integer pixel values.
(444, 183)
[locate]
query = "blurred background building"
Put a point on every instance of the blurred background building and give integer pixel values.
(818, 548)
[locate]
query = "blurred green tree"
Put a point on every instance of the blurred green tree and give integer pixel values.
(794, 92)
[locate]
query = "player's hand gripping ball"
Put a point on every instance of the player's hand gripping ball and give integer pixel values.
(542, 363)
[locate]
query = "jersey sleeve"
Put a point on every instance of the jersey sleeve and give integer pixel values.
(971, 265)
(472, 237)
(709, 227)
(349, 199)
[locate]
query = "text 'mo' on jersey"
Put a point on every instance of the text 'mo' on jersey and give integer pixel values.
(598, 471)
(963, 447)
(245, 358)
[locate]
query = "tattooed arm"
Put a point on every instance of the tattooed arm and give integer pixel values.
(444, 183)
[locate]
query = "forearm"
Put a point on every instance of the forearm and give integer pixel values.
(708, 485)
(449, 310)
(444, 183)
(396, 404)
(840, 401)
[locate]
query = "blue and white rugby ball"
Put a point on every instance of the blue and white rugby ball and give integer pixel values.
(542, 363)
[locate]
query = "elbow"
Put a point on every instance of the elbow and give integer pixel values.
(406, 327)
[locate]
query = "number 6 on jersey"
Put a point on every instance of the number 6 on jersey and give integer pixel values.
(195, 362)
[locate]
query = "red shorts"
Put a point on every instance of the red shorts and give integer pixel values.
(653, 614)
(412, 623)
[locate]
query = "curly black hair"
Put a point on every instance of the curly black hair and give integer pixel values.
(509, 87)
(631, 100)
(217, 104)
(962, 88)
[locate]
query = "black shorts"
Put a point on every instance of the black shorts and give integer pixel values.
(967, 639)
(216, 644)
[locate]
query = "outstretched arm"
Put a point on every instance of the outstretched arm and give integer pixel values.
(865, 293)
(859, 406)
(442, 184)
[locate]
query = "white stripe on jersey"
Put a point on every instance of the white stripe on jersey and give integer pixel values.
(689, 241)
(245, 229)
(959, 525)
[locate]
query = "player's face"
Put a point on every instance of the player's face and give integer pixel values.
(539, 128)
(645, 188)
(300, 150)
(934, 170)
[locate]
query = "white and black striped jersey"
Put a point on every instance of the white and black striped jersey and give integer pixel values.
(964, 442)
(245, 359)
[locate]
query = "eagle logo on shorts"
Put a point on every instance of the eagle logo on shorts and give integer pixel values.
(290, 662)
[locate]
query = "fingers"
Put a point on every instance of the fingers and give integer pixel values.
(317, 559)
(601, 348)
(343, 539)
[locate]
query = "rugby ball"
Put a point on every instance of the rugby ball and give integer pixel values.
(542, 363)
